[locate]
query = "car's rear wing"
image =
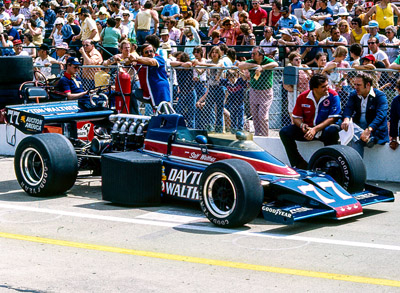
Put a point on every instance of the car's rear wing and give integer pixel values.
(31, 118)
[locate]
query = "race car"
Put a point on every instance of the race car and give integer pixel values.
(144, 159)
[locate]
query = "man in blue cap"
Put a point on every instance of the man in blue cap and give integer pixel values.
(287, 20)
(373, 28)
(325, 31)
(71, 85)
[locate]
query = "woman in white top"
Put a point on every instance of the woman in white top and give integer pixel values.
(390, 33)
(28, 43)
(201, 14)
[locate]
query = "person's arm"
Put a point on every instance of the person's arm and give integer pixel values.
(270, 18)
(394, 123)
(144, 60)
(370, 12)
(246, 65)
(71, 96)
(3, 41)
(312, 131)
(395, 9)
(154, 15)
(181, 64)
(364, 67)
(136, 24)
(195, 35)
(381, 111)
(93, 33)
(348, 111)
(263, 18)
(352, 39)
(386, 62)
(395, 66)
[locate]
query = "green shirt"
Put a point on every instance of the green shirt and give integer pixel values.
(397, 61)
(266, 78)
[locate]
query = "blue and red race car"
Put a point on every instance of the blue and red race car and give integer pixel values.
(232, 178)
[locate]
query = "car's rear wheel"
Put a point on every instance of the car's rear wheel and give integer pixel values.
(231, 194)
(343, 164)
(45, 164)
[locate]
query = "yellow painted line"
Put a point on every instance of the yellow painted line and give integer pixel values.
(205, 261)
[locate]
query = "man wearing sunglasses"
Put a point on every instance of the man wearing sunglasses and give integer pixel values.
(373, 46)
(91, 56)
(152, 76)
(257, 15)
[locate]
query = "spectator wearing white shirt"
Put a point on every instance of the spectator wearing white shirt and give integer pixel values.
(307, 11)
(391, 40)
(373, 28)
(269, 44)
(166, 40)
(373, 46)
(17, 19)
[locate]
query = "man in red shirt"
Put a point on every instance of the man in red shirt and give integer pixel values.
(314, 117)
(257, 15)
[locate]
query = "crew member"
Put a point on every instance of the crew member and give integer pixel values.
(71, 86)
(314, 117)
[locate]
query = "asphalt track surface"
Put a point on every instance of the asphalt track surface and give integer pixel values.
(78, 243)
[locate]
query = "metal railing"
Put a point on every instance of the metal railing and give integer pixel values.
(222, 99)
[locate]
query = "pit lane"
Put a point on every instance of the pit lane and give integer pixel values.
(79, 243)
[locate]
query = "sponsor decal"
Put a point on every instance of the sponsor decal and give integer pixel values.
(83, 132)
(33, 124)
(277, 212)
(44, 110)
(305, 106)
(182, 183)
(365, 196)
(326, 103)
(299, 210)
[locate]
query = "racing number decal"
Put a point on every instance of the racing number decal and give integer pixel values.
(13, 115)
(330, 184)
(311, 188)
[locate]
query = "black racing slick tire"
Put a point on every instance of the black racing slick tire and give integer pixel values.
(45, 164)
(15, 69)
(231, 194)
(342, 163)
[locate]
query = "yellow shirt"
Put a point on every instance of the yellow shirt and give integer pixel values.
(384, 16)
(358, 37)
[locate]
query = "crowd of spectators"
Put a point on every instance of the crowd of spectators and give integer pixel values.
(202, 36)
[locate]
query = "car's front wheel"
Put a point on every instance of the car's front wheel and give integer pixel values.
(343, 164)
(45, 164)
(231, 194)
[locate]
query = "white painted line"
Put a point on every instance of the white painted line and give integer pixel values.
(202, 226)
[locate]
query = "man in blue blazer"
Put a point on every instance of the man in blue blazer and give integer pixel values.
(368, 107)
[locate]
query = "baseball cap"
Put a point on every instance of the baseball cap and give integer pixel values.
(16, 6)
(62, 45)
(329, 21)
(118, 16)
(184, 9)
(373, 23)
(72, 5)
(7, 1)
(369, 57)
(16, 42)
(284, 9)
(7, 22)
(83, 10)
(73, 61)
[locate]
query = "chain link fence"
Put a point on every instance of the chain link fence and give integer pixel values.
(229, 100)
